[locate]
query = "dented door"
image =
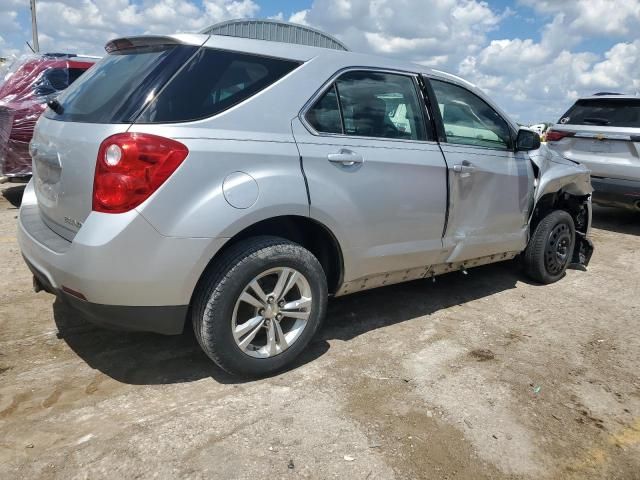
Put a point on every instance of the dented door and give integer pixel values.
(490, 185)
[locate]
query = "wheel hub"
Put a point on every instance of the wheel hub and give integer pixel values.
(557, 248)
(265, 325)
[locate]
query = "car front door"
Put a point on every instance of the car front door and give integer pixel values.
(376, 175)
(490, 184)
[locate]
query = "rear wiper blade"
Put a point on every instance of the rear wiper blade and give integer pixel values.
(55, 106)
(596, 121)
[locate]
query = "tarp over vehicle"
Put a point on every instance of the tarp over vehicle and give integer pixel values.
(24, 91)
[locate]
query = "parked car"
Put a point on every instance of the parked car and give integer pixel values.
(239, 183)
(23, 97)
(603, 133)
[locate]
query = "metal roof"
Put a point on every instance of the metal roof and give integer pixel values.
(275, 31)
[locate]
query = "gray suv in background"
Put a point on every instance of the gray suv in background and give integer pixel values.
(238, 183)
(603, 133)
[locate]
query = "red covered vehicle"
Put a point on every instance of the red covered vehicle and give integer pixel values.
(24, 96)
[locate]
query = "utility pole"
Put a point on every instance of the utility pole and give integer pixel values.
(34, 27)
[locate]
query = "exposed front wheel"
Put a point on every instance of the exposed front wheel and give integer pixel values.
(550, 248)
(259, 306)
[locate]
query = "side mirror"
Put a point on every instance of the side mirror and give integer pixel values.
(527, 140)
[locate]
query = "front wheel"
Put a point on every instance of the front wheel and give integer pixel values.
(550, 248)
(259, 306)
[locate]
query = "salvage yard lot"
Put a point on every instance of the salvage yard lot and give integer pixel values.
(476, 376)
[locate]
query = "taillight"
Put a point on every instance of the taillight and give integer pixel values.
(130, 167)
(555, 135)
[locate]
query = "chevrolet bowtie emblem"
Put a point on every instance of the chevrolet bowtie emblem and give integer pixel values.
(600, 136)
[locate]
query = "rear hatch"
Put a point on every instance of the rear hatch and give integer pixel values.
(603, 134)
(106, 100)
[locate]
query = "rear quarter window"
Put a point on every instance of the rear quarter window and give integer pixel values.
(623, 112)
(212, 82)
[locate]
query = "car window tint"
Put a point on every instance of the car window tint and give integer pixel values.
(469, 120)
(213, 81)
(324, 116)
(622, 112)
(380, 105)
(115, 89)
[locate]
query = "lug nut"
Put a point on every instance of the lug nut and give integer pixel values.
(270, 300)
(281, 303)
(261, 312)
(279, 316)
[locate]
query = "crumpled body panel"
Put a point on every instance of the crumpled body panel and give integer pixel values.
(557, 173)
(29, 84)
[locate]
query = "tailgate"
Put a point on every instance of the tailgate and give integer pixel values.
(606, 152)
(64, 159)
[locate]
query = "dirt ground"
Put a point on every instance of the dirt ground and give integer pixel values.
(473, 377)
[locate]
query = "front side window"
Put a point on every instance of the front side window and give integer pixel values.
(469, 120)
(372, 104)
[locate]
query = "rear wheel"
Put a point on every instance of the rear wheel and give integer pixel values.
(259, 306)
(550, 248)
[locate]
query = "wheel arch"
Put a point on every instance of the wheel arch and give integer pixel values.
(577, 205)
(305, 231)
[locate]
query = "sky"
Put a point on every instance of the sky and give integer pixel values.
(533, 57)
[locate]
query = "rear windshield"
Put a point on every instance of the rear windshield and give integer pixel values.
(167, 84)
(116, 88)
(623, 112)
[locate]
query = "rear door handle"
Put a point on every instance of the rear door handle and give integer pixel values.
(463, 168)
(345, 157)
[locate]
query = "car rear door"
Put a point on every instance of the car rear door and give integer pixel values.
(491, 186)
(376, 176)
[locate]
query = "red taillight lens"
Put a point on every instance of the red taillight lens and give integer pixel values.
(555, 135)
(130, 167)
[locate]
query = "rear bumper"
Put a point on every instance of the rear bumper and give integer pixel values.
(167, 320)
(616, 193)
(131, 276)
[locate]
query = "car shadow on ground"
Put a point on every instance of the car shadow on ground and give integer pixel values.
(14, 195)
(148, 359)
(617, 220)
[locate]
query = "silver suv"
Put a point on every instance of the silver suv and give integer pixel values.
(603, 133)
(238, 183)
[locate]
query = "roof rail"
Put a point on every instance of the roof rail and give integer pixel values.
(600, 94)
(275, 31)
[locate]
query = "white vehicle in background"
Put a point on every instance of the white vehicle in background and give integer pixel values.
(602, 132)
(539, 128)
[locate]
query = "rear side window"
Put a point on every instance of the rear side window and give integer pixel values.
(213, 81)
(623, 112)
(165, 84)
(370, 104)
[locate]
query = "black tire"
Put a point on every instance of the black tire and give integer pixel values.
(224, 282)
(550, 248)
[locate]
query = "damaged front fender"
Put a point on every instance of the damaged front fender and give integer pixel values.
(555, 173)
(562, 183)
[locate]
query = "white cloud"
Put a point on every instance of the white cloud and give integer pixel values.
(414, 29)
(537, 79)
(593, 17)
(86, 25)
